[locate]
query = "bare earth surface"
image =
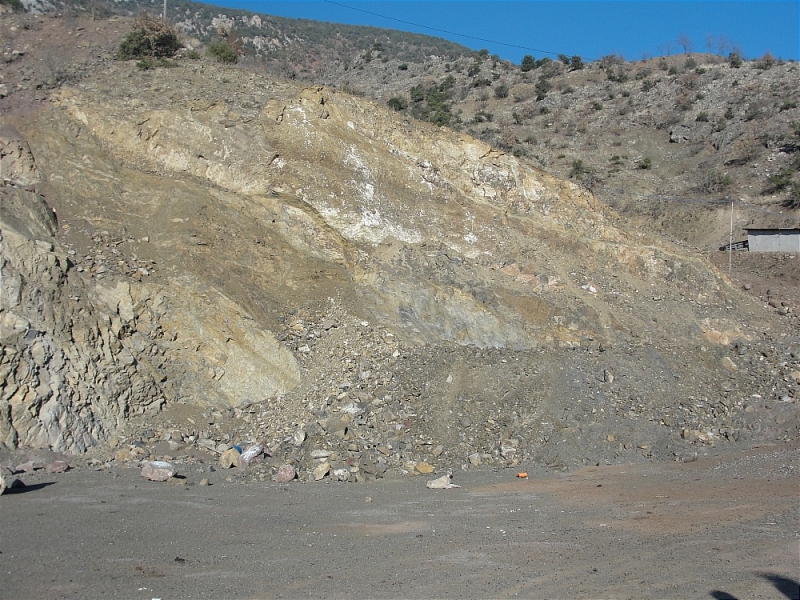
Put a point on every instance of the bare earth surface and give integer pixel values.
(719, 527)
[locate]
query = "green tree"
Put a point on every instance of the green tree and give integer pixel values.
(528, 63)
(576, 63)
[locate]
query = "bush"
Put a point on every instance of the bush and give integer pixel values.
(542, 87)
(402, 67)
(150, 38)
(702, 117)
(528, 63)
(779, 181)
(222, 52)
(501, 91)
(578, 169)
(576, 63)
(16, 5)
(397, 103)
(734, 60)
(645, 163)
(793, 201)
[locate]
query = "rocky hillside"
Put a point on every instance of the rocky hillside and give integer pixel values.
(200, 256)
(666, 141)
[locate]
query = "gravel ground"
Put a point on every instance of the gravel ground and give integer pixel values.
(722, 527)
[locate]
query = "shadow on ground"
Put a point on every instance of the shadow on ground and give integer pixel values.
(788, 587)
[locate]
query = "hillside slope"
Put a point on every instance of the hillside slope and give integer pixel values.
(237, 258)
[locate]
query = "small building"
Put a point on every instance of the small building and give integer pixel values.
(774, 240)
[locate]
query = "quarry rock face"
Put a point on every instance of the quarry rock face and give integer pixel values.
(225, 240)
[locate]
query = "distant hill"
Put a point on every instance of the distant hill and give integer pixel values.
(666, 141)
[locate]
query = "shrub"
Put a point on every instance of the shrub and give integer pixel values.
(766, 62)
(542, 87)
(576, 63)
(222, 52)
(645, 163)
(702, 117)
(597, 106)
(690, 64)
(734, 60)
(779, 181)
(16, 5)
(402, 67)
(528, 63)
(150, 38)
(193, 55)
(397, 103)
(578, 170)
(619, 75)
(713, 181)
(145, 64)
(501, 91)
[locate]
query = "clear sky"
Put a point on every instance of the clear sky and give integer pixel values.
(590, 29)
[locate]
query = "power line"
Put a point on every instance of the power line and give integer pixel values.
(463, 35)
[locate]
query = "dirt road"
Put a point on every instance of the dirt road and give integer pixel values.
(720, 527)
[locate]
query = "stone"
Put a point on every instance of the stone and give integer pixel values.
(321, 470)
(285, 474)
(298, 438)
(340, 474)
(475, 459)
(27, 467)
(229, 458)
(319, 453)
(58, 466)
(442, 483)
(158, 470)
(250, 455)
(729, 364)
(2, 484)
(424, 468)
(204, 482)
(508, 452)
(335, 424)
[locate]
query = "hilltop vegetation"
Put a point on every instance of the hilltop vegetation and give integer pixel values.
(651, 138)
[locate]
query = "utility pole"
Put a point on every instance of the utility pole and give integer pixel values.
(164, 15)
(730, 238)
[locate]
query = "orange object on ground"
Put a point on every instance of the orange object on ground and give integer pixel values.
(522, 475)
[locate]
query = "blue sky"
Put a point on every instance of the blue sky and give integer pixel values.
(590, 29)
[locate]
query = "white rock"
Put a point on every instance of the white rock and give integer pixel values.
(442, 483)
(158, 470)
